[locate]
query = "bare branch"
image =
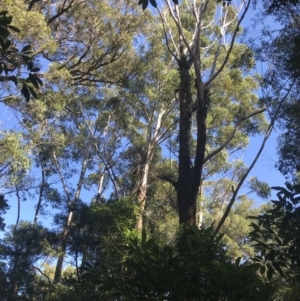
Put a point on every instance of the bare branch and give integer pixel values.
(231, 46)
(49, 281)
(166, 37)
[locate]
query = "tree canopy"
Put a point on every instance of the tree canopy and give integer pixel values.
(125, 145)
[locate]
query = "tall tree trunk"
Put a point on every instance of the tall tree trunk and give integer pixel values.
(152, 142)
(189, 179)
(41, 194)
(186, 207)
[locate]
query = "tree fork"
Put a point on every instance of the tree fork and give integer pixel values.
(190, 177)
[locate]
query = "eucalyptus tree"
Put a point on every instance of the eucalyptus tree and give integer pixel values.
(214, 79)
(149, 105)
(278, 50)
(86, 51)
(92, 48)
(281, 48)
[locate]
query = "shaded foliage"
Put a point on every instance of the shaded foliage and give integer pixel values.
(13, 60)
(276, 235)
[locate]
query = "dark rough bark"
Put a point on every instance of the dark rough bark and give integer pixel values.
(187, 210)
(189, 179)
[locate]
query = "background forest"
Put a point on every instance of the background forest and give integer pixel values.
(125, 142)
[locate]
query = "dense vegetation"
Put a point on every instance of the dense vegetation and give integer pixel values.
(125, 145)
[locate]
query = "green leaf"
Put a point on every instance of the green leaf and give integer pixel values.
(262, 269)
(219, 238)
(25, 92)
(144, 237)
(256, 227)
(4, 32)
(14, 79)
(30, 65)
(270, 274)
(289, 185)
(278, 268)
(7, 44)
(144, 4)
(26, 48)
(35, 69)
(33, 93)
(272, 255)
(38, 79)
(297, 42)
(237, 261)
(32, 79)
(2, 42)
(153, 3)
(149, 244)
(5, 68)
(13, 28)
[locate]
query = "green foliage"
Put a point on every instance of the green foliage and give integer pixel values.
(3, 207)
(289, 157)
(195, 268)
(294, 61)
(12, 60)
(145, 3)
(276, 235)
(14, 159)
(236, 227)
(20, 249)
(106, 122)
(99, 224)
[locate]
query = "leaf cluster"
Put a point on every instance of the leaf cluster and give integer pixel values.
(195, 268)
(12, 60)
(276, 235)
(145, 3)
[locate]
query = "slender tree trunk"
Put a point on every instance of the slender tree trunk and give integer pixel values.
(19, 207)
(100, 185)
(39, 203)
(152, 142)
(141, 196)
(61, 257)
(66, 231)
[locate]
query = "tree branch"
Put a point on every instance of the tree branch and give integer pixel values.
(220, 148)
(231, 46)
(267, 135)
(168, 179)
